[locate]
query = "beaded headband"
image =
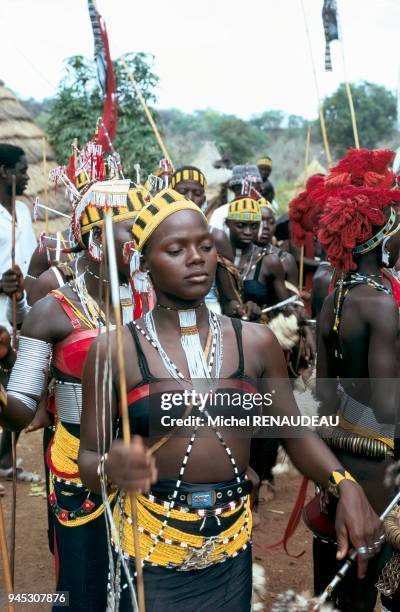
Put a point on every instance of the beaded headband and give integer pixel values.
(120, 196)
(383, 233)
(244, 209)
(188, 174)
(161, 206)
(263, 203)
(265, 162)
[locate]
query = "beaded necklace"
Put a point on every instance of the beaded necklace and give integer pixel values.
(252, 264)
(347, 282)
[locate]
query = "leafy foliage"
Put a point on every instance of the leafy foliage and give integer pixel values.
(375, 108)
(236, 139)
(78, 104)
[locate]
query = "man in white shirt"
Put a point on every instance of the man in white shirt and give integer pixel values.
(244, 179)
(12, 162)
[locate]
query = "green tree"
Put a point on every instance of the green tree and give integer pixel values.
(78, 104)
(375, 108)
(268, 120)
(237, 139)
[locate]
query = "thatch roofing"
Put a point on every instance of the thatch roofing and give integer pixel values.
(18, 128)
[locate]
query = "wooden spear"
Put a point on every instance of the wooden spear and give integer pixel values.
(146, 110)
(46, 185)
(306, 158)
(115, 300)
(8, 582)
(13, 435)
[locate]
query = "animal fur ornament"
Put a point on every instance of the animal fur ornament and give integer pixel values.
(392, 476)
(286, 330)
(293, 602)
(259, 587)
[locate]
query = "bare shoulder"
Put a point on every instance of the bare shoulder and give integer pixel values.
(222, 243)
(272, 262)
(46, 282)
(256, 336)
(376, 306)
(46, 321)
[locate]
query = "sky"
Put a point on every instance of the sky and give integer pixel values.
(238, 57)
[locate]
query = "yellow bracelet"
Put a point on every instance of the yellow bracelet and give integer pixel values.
(336, 477)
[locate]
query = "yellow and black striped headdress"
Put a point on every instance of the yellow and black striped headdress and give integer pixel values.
(265, 161)
(244, 209)
(263, 203)
(161, 206)
(122, 197)
(188, 173)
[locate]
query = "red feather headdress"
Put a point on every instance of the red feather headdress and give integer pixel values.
(354, 196)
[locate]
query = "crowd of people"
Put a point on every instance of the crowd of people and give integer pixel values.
(211, 300)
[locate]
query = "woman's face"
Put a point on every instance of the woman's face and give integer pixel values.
(181, 257)
(192, 191)
(267, 227)
(242, 233)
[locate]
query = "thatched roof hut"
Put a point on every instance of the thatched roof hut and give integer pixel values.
(18, 128)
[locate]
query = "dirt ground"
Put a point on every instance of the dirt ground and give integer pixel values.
(34, 565)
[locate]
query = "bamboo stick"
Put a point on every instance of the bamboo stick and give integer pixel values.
(46, 184)
(306, 160)
(114, 284)
(146, 110)
(14, 336)
(8, 583)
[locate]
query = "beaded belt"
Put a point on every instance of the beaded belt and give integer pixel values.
(219, 496)
(177, 547)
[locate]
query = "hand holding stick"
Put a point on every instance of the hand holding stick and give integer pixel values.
(346, 566)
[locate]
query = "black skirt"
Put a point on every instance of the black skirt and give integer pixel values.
(224, 587)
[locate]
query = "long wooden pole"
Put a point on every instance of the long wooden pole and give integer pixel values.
(8, 583)
(46, 184)
(352, 115)
(306, 160)
(115, 299)
(320, 109)
(146, 110)
(13, 434)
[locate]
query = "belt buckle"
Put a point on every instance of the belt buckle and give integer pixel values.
(199, 558)
(201, 499)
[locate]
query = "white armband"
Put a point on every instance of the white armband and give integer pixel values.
(30, 371)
